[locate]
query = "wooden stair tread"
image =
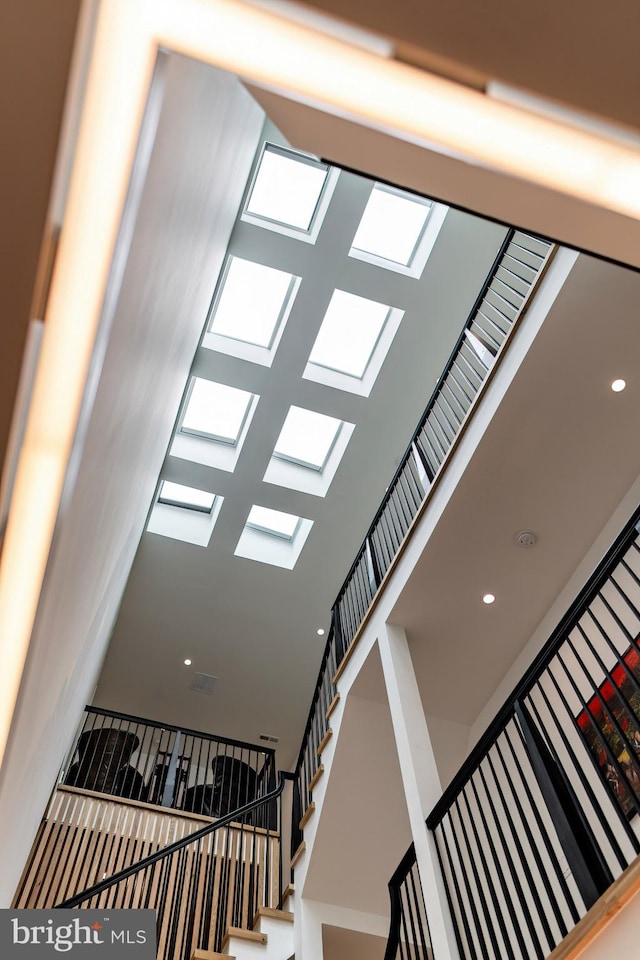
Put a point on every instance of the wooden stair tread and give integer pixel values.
(306, 816)
(289, 891)
(324, 741)
(334, 703)
(242, 934)
(301, 849)
(316, 776)
(209, 955)
(272, 914)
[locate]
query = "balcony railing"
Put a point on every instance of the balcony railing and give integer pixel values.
(505, 294)
(125, 828)
(544, 814)
(116, 754)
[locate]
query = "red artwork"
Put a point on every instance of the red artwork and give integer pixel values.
(618, 728)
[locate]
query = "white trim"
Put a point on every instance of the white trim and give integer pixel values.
(322, 205)
(360, 385)
(286, 473)
(270, 548)
(184, 523)
(422, 251)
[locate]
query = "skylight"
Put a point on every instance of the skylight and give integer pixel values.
(252, 302)
(391, 225)
(215, 411)
(349, 333)
(273, 522)
(287, 188)
(307, 438)
(177, 495)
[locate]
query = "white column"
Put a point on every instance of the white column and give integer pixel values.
(420, 780)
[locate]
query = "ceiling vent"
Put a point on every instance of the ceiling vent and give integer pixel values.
(203, 683)
(269, 739)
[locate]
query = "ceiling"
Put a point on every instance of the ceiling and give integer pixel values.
(557, 458)
(253, 625)
(583, 56)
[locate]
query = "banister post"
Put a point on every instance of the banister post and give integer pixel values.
(420, 780)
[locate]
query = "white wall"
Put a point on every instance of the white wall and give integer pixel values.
(141, 365)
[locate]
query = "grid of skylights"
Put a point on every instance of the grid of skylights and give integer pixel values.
(287, 188)
(274, 523)
(215, 411)
(178, 495)
(307, 438)
(391, 225)
(252, 302)
(349, 333)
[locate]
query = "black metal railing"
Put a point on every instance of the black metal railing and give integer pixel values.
(507, 288)
(543, 815)
(408, 928)
(124, 756)
(509, 285)
(212, 879)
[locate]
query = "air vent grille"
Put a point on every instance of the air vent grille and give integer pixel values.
(203, 683)
(269, 739)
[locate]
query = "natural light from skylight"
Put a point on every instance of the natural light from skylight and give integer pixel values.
(349, 333)
(252, 302)
(391, 225)
(287, 188)
(177, 495)
(215, 411)
(273, 522)
(307, 438)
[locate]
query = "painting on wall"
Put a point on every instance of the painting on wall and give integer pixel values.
(610, 725)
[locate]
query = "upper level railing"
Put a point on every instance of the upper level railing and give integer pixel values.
(545, 812)
(116, 754)
(502, 300)
(152, 816)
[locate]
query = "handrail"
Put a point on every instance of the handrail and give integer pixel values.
(584, 597)
(431, 401)
(514, 275)
(185, 731)
(171, 848)
(408, 913)
(539, 819)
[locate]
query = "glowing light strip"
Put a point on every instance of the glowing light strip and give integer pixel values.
(290, 59)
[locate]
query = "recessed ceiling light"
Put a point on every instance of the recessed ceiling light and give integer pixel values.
(187, 663)
(273, 522)
(391, 225)
(349, 333)
(618, 385)
(251, 303)
(307, 438)
(215, 411)
(488, 598)
(177, 495)
(287, 188)
(321, 632)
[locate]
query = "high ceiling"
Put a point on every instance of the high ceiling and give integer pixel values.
(248, 623)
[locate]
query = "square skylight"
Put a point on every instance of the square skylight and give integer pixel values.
(307, 438)
(273, 522)
(252, 302)
(215, 411)
(287, 188)
(349, 333)
(177, 495)
(391, 225)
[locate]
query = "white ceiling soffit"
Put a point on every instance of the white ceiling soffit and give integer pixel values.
(453, 181)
